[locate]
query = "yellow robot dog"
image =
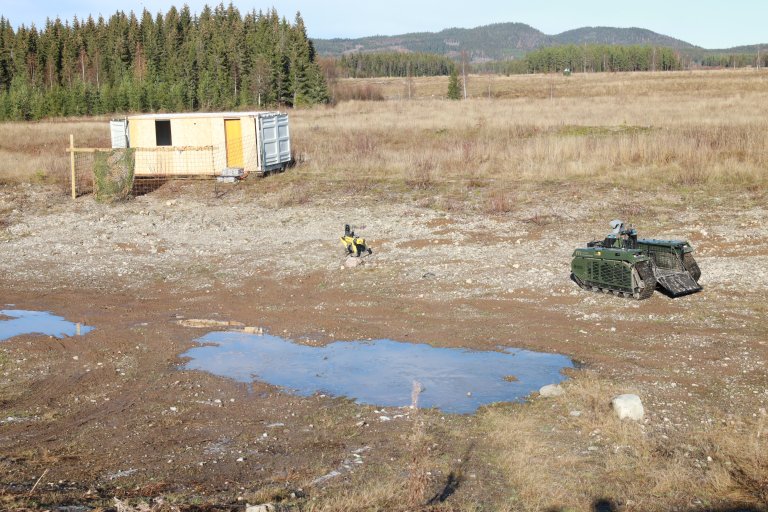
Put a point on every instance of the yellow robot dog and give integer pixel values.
(355, 245)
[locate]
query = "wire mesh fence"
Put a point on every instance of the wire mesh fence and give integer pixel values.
(81, 178)
(177, 161)
(99, 171)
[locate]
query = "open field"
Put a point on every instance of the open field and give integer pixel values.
(473, 209)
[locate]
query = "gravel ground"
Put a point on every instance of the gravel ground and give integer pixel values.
(47, 238)
(446, 278)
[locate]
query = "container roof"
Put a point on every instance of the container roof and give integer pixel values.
(192, 115)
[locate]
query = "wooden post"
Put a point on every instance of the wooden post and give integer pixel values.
(72, 164)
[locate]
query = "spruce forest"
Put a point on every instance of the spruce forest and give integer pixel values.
(177, 61)
(592, 58)
(366, 65)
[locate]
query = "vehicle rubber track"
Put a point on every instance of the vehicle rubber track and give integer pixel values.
(604, 289)
(646, 274)
(691, 266)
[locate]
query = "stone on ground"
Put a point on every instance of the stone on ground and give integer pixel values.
(353, 262)
(551, 390)
(628, 407)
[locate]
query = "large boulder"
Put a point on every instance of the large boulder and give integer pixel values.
(628, 407)
(551, 390)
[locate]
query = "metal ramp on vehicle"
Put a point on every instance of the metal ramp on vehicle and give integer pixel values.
(677, 283)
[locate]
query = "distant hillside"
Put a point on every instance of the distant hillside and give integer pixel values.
(502, 41)
(752, 48)
(619, 36)
(490, 42)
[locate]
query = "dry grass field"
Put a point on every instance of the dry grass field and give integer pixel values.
(634, 131)
(36, 152)
(521, 152)
(694, 130)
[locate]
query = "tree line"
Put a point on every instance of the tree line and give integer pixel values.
(591, 58)
(394, 64)
(176, 61)
(735, 60)
(554, 59)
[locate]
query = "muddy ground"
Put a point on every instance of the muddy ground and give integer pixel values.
(111, 414)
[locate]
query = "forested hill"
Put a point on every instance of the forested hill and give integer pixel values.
(619, 36)
(496, 42)
(218, 59)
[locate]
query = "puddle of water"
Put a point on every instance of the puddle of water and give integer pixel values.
(37, 322)
(380, 372)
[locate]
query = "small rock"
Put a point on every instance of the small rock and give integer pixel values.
(352, 262)
(551, 390)
(628, 406)
(266, 507)
(575, 414)
(324, 478)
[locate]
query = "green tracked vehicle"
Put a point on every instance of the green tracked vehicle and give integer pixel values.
(627, 266)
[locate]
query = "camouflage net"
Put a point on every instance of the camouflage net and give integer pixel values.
(113, 174)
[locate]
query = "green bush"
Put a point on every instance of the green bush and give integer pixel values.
(454, 91)
(113, 174)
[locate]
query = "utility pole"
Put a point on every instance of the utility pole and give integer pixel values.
(408, 78)
(464, 71)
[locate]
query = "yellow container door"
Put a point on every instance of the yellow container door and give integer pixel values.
(234, 138)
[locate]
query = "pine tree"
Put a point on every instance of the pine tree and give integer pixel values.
(454, 91)
(170, 62)
(6, 53)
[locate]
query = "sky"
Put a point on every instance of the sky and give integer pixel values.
(707, 23)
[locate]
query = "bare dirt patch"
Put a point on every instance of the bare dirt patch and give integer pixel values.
(111, 414)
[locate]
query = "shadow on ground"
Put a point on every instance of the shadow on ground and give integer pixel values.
(608, 505)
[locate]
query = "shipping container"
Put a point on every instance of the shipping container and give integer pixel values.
(222, 144)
